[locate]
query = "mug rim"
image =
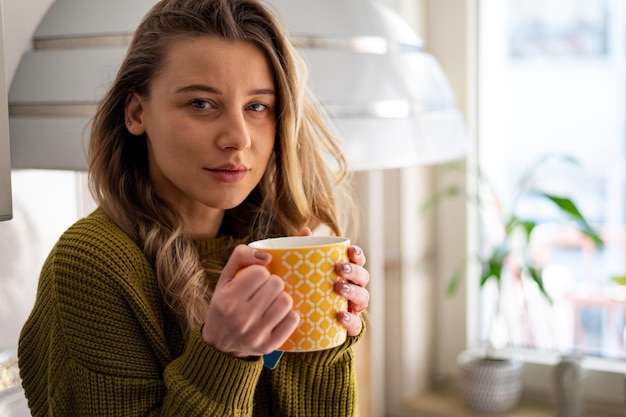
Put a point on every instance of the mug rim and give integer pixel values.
(297, 242)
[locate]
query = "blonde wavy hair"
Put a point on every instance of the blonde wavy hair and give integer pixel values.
(298, 189)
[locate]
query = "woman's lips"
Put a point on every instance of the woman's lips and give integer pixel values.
(229, 173)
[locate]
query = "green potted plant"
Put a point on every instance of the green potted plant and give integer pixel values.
(491, 382)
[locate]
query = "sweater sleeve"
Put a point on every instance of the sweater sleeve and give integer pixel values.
(321, 383)
(220, 383)
(94, 344)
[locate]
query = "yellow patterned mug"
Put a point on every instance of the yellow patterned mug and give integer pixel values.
(307, 264)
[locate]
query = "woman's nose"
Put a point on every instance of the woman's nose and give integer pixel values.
(235, 134)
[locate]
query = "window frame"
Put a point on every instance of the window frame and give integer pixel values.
(458, 50)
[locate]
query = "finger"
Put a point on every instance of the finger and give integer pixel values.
(356, 255)
(351, 322)
(285, 328)
(280, 306)
(357, 296)
(272, 330)
(305, 231)
(241, 257)
(358, 309)
(249, 281)
(354, 273)
(266, 294)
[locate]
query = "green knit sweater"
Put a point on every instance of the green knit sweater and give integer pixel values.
(100, 343)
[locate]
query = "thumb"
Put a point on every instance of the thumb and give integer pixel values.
(242, 257)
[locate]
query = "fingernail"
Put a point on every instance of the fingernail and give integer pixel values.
(346, 268)
(261, 255)
(345, 317)
(357, 250)
(344, 288)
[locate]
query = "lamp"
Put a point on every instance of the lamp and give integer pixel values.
(78, 48)
(387, 98)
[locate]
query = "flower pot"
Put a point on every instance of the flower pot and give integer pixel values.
(490, 384)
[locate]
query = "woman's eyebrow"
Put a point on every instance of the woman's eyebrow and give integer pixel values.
(199, 87)
(214, 90)
(261, 91)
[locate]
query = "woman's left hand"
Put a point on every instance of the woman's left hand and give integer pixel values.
(352, 288)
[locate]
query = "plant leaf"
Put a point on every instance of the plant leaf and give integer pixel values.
(525, 181)
(527, 226)
(536, 276)
(455, 279)
(621, 280)
(435, 199)
(493, 266)
(569, 208)
(453, 284)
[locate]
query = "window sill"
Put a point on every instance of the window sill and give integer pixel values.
(448, 404)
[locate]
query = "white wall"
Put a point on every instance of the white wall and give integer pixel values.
(424, 329)
(449, 23)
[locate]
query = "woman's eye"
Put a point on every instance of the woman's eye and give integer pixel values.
(200, 104)
(257, 107)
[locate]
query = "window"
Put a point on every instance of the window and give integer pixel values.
(45, 203)
(560, 91)
(552, 80)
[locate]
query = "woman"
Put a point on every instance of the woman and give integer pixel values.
(152, 305)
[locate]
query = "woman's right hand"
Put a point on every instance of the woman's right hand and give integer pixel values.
(250, 314)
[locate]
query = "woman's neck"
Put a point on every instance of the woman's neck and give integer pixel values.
(205, 225)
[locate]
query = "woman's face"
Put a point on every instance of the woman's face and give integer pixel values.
(210, 124)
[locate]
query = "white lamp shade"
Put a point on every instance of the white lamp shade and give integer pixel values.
(388, 100)
(344, 19)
